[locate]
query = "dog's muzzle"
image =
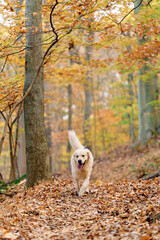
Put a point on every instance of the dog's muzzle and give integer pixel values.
(80, 164)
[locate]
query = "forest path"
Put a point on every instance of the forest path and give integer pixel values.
(51, 210)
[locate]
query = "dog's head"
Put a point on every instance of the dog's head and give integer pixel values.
(81, 156)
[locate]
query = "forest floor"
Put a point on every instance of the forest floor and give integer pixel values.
(119, 205)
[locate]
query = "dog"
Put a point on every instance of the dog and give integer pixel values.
(81, 164)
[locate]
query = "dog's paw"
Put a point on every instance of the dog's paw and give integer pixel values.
(80, 194)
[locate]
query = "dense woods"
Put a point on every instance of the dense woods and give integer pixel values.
(91, 66)
(101, 77)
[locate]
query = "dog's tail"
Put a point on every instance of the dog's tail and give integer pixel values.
(74, 141)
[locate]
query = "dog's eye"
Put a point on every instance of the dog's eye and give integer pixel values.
(77, 156)
(82, 155)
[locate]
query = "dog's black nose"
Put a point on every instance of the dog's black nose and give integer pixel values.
(80, 162)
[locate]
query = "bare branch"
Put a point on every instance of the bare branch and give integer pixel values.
(152, 175)
(51, 20)
(9, 54)
(3, 115)
(4, 64)
(130, 12)
(149, 3)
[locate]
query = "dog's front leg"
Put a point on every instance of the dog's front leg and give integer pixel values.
(77, 185)
(84, 187)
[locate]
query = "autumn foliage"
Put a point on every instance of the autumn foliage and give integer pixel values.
(122, 210)
(112, 32)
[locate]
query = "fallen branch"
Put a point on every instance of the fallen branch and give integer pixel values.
(152, 175)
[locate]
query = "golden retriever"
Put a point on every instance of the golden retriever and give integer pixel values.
(81, 164)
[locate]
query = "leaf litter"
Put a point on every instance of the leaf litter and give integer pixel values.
(118, 205)
(51, 210)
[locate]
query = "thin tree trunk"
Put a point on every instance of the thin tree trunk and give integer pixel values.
(72, 53)
(48, 132)
(149, 121)
(131, 96)
(14, 172)
(157, 113)
(87, 111)
(37, 151)
(88, 95)
(69, 88)
(21, 151)
(141, 105)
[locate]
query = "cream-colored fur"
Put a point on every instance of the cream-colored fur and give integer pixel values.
(81, 164)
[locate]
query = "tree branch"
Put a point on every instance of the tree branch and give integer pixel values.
(152, 175)
(130, 12)
(57, 39)
(30, 87)
(4, 64)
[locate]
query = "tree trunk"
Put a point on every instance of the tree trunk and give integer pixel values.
(141, 106)
(69, 88)
(72, 53)
(37, 151)
(21, 151)
(131, 96)
(87, 110)
(49, 132)
(88, 95)
(13, 156)
(149, 122)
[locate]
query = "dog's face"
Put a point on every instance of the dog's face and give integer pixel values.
(81, 156)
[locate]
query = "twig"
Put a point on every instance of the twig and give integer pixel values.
(9, 54)
(130, 12)
(3, 115)
(51, 15)
(152, 175)
(149, 3)
(4, 64)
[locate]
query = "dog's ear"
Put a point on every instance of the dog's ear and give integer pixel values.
(74, 157)
(88, 156)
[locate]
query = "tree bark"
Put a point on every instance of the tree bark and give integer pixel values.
(72, 53)
(131, 96)
(141, 106)
(49, 132)
(88, 95)
(149, 121)
(37, 151)
(21, 150)
(69, 88)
